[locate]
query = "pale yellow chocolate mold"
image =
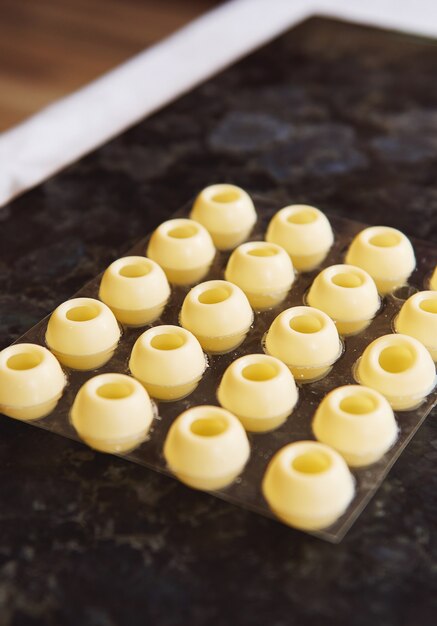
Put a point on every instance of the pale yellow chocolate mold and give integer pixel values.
(356, 421)
(308, 485)
(418, 318)
(218, 313)
(31, 381)
(135, 289)
(206, 447)
(260, 390)
(169, 361)
(304, 232)
(399, 367)
(433, 281)
(348, 295)
(112, 413)
(82, 333)
(263, 271)
(183, 248)
(227, 212)
(385, 253)
(306, 340)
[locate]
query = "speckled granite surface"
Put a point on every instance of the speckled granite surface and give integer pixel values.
(336, 115)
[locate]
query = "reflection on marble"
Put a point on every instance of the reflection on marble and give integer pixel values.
(244, 132)
(315, 150)
(409, 137)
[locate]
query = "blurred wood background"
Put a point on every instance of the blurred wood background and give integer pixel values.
(49, 48)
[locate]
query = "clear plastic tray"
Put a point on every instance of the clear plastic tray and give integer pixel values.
(246, 490)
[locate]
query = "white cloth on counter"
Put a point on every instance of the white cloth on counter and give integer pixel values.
(64, 131)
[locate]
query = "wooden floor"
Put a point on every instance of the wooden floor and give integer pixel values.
(49, 48)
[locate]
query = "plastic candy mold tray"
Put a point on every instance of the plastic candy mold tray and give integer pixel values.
(246, 490)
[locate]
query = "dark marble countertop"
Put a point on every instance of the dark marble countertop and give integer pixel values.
(339, 116)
